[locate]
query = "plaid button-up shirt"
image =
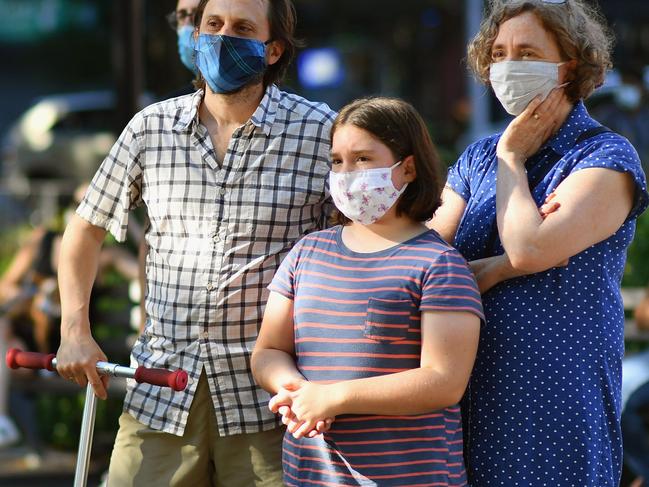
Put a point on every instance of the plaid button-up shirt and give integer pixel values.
(218, 232)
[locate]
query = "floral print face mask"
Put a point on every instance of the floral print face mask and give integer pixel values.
(364, 196)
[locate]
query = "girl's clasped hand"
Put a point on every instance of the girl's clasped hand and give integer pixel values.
(304, 408)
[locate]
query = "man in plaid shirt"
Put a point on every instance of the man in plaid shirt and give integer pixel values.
(231, 177)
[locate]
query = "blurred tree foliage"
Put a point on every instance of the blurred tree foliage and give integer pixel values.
(637, 266)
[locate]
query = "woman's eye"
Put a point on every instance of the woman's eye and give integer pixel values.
(361, 159)
(496, 55)
(335, 162)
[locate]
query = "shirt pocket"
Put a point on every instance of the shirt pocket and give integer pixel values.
(388, 319)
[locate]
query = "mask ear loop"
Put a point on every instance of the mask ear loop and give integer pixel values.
(563, 85)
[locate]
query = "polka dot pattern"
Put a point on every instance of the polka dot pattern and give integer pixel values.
(543, 406)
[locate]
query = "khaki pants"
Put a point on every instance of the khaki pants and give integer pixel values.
(146, 457)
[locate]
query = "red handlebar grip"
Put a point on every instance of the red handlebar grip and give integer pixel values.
(29, 360)
(161, 377)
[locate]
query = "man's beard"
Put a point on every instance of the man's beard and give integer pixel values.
(244, 88)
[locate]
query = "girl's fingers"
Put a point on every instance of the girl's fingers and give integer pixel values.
(285, 411)
(282, 398)
(303, 430)
(293, 426)
(323, 426)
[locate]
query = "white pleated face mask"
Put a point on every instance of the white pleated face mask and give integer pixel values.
(364, 196)
(517, 83)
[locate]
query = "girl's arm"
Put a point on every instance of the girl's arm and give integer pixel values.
(449, 345)
(273, 362)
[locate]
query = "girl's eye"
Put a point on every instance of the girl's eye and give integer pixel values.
(336, 162)
(361, 159)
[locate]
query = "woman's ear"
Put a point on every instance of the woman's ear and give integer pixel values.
(567, 71)
(409, 169)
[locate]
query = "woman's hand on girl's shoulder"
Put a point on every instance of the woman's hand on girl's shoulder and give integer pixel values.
(491, 271)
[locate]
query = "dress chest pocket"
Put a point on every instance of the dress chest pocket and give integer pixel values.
(388, 319)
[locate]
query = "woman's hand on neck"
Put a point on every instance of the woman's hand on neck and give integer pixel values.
(528, 132)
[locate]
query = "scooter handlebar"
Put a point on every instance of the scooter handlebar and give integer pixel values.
(160, 377)
(29, 360)
(177, 380)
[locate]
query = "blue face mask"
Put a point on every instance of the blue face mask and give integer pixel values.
(186, 47)
(230, 63)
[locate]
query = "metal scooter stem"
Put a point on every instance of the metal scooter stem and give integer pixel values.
(85, 438)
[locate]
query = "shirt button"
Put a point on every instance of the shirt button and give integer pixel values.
(216, 237)
(222, 191)
(209, 286)
(206, 335)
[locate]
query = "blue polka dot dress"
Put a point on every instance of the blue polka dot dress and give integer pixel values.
(543, 404)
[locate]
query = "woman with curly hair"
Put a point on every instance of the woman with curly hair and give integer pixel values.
(543, 405)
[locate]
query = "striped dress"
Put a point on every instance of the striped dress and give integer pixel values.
(357, 316)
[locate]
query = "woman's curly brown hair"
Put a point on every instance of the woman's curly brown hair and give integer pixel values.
(579, 29)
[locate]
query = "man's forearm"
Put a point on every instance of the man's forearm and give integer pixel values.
(78, 262)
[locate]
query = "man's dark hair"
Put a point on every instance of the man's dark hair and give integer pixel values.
(397, 124)
(282, 20)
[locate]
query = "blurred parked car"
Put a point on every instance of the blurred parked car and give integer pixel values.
(60, 137)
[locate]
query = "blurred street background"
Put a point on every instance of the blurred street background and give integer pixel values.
(75, 71)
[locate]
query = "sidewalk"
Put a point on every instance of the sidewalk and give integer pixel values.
(20, 466)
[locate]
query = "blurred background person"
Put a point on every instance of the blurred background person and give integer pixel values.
(181, 20)
(635, 414)
(627, 110)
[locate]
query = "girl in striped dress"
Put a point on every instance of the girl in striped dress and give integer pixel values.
(371, 327)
